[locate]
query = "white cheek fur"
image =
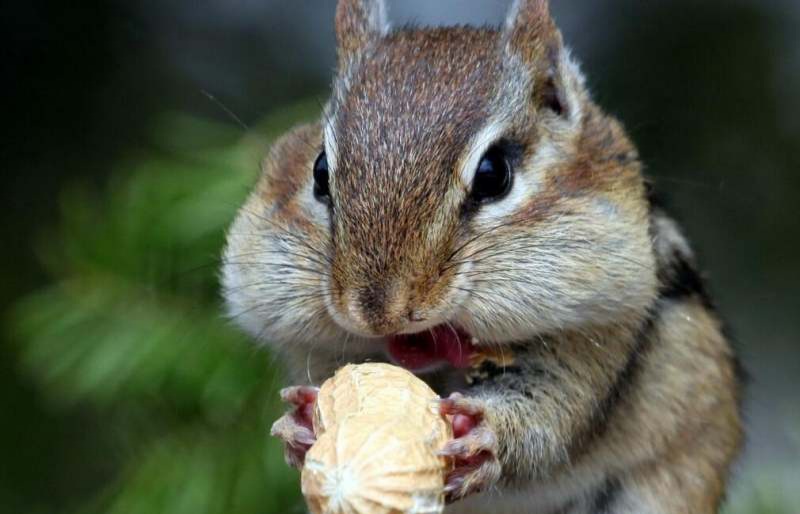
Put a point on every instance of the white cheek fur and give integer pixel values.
(271, 297)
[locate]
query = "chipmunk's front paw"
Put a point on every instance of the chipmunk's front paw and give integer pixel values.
(295, 429)
(474, 449)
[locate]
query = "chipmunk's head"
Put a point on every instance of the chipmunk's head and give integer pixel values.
(458, 177)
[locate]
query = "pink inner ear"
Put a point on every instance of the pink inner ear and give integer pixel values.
(442, 344)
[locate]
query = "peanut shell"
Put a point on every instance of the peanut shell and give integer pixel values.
(378, 430)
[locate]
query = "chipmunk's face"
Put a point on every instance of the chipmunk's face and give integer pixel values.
(459, 178)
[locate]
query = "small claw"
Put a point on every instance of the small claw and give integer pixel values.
(453, 485)
(295, 428)
(477, 442)
(453, 448)
(473, 450)
(457, 403)
(471, 480)
(292, 433)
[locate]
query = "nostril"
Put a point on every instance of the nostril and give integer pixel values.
(373, 300)
(381, 307)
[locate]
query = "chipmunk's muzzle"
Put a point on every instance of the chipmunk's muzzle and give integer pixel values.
(382, 309)
(390, 251)
(416, 338)
(377, 300)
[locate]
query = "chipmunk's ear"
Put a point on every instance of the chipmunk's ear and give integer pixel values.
(530, 29)
(531, 36)
(358, 23)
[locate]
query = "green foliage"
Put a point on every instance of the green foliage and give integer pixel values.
(132, 328)
(769, 493)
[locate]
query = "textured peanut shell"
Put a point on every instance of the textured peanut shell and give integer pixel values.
(378, 430)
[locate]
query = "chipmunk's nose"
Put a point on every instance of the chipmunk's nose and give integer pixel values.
(382, 308)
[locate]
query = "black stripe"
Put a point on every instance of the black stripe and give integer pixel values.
(654, 198)
(678, 281)
(622, 384)
(607, 496)
(625, 378)
(489, 372)
(681, 280)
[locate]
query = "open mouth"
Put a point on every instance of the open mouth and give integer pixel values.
(438, 346)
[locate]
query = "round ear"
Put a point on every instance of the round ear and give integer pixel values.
(532, 38)
(358, 23)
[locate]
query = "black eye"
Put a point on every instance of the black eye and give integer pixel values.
(321, 177)
(493, 178)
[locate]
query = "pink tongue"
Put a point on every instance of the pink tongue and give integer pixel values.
(438, 345)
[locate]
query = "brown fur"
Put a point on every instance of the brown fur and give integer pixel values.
(390, 169)
(624, 396)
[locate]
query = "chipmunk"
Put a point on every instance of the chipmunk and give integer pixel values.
(462, 194)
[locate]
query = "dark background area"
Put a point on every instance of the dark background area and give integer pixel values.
(707, 89)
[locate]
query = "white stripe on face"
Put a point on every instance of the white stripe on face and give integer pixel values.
(481, 143)
(331, 150)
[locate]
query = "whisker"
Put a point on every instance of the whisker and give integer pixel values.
(295, 237)
(281, 267)
(282, 253)
(227, 110)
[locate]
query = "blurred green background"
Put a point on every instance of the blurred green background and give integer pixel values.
(133, 130)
